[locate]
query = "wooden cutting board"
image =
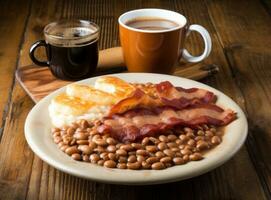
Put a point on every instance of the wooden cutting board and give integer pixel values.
(39, 82)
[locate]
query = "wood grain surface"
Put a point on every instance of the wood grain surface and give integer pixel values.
(240, 31)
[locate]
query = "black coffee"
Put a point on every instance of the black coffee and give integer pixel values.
(151, 23)
(73, 63)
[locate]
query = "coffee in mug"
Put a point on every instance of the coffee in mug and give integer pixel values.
(153, 40)
(71, 49)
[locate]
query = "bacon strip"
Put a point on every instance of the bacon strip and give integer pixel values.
(176, 97)
(136, 124)
(180, 98)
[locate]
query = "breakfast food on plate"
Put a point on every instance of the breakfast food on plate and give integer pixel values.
(137, 126)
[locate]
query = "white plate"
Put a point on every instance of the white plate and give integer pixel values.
(39, 138)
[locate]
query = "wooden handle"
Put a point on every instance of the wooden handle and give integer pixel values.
(110, 58)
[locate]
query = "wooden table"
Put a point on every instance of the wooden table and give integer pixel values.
(240, 31)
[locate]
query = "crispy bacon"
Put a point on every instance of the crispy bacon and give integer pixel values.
(176, 97)
(180, 98)
(138, 123)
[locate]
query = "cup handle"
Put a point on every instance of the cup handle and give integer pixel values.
(32, 53)
(207, 44)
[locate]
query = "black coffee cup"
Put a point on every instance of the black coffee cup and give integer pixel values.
(71, 49)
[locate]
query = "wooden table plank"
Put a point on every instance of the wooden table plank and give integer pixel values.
(11, 32)
(47, 183)
(247, 44)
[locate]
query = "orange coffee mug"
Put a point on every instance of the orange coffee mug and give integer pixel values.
(152, 40)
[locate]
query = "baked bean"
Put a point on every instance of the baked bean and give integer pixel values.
(112, 156)
(82, 142)
(121, 152)
(178, 161)
(142, 152)
(99, 149)
(175, 149)
(94, 158)
(111, 148)
(191, 142)
(80, 136)
(140, 158)
(66, 139)
(111, 141)
(126, 147)
(70, 131)
(186, 158)
(178, 154)
(151, 148)
(163, 138)
(168, 152)
(86, 158)
(132, 153)
(183, 138)
(137, 145)
(71, 150)
(162, 146)
(100, 162)
(132, 159)
(172, 137)
(122, 159)
(182, 146)
(84, 124)
(202, 145)
(118, 145)
(171, 144)
(178, 141)
(85, 149)
(104, 156)
(187, 147)
(200, 133)
(213, 129)
(159, 154)
(121, 165)
(93, 132)
(92, 145)
(145, 165)
(190, 135)
(154, 140)
(64, 147)
(100, 141)
(187, 130)
(157, 166)
(166, 159)
(145, 141)
(216, 140)
(151, 160)
(199, 138)
(76, 156)
(135, 165)
(110, 164)
(209, 134)
(195, 156)
(57, 139)
(186, 152)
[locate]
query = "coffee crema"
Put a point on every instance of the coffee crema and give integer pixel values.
(151, 23)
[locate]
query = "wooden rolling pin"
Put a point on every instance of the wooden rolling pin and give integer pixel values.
(111, 61)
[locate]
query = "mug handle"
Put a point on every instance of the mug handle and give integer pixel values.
(207, 44)
(32, 53)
